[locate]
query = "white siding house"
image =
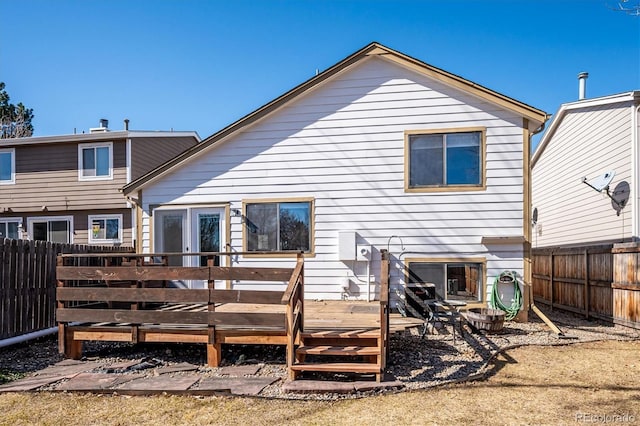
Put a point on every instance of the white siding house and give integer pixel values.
(381, 148)
(587, 138)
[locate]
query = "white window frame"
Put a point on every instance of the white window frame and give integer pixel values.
(12, 180)
(31, 220)
(84, 146)
(105, 217)
(17, 220)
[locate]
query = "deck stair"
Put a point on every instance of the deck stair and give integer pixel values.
(360, 352)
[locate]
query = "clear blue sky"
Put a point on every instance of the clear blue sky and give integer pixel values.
(200, 65)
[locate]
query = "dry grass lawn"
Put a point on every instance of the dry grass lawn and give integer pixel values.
(531, 385)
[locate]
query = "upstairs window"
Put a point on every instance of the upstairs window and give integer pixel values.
(445, 160)
(278, 226)
(95, 161)
(7, 166)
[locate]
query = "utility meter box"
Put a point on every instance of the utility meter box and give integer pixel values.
(347, 245)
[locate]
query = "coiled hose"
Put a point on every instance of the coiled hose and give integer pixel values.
(516, 303)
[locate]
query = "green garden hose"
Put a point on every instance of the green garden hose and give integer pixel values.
(516, 303)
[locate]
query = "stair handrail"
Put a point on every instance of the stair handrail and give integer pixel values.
(293, 297)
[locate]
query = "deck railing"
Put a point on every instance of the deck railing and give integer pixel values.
(136, 290)
(293, 298)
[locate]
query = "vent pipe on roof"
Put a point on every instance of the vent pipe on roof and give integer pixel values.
(582, 89)
(104, 123)
(126, 124)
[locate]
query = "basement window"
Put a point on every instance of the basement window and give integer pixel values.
(453, 280)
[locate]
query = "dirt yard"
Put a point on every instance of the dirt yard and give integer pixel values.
(592, 383)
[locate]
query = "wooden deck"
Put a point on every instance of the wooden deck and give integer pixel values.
(340, 314)
(127, 300)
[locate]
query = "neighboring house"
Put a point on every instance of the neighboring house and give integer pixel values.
(588, 138)
(380, 151)
(67, 188)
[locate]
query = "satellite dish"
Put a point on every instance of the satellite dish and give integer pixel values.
(601, 182)
(534, 216)
(620, 196)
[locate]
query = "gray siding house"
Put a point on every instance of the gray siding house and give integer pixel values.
(67, 188)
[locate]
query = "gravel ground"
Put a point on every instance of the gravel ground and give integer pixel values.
(417, 362)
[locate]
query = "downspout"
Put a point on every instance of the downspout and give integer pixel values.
(529, 287)
(635, 171)
(132, 207)
(527, 276)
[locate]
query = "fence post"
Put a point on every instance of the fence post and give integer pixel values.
(587, 289)
(551, 280)
(62, 327)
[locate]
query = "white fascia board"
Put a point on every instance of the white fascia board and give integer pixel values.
(161, 134)
(94, 137)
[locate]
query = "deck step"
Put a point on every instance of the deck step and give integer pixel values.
(343, 334)
(338, 350)
(338, 367)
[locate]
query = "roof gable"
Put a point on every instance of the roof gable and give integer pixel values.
(535, 116)
(558, 117)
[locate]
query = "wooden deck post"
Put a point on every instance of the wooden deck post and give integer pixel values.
(66, 344)
(214, 354)
(62, 336)
(214, 350)
(383, 344)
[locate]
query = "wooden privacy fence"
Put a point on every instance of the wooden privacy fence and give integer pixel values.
(131, 299)
(626, 284)
(600, 281)
(27, 283)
